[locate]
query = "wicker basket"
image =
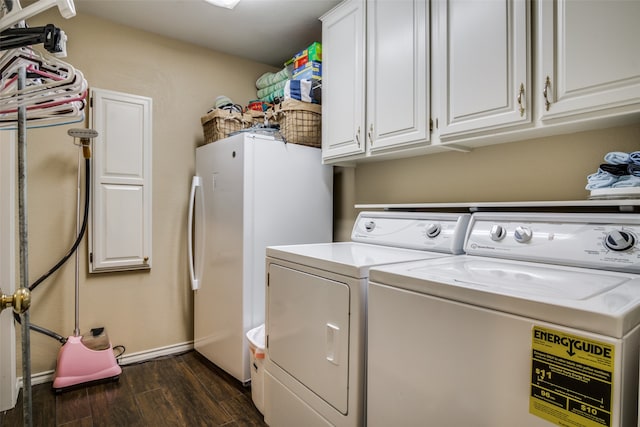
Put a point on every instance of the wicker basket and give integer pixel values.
(220, 124)
(300, 122)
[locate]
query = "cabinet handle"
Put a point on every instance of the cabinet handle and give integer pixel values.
(545, 92)
(369, 133)
(520, 95)
(358, 137)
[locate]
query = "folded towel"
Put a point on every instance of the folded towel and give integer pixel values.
(633, 169)
(617, 170)
(278, 95)
(600, 179)
(268, 79)
(634, 157)
(617, 158)
(299, 90)
(627, 181)
(272, 88)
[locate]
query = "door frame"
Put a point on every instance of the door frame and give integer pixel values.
(8, 382)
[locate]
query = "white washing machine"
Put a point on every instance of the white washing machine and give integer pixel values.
(316, 309)
(536, 325)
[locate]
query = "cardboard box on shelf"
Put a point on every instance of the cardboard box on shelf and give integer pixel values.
(309, 71)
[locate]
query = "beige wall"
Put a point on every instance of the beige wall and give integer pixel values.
(552, 168)
(147, 310)
(141, 310)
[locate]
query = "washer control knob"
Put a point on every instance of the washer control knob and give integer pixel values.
(370, 226)
(522, 234)
(497, 232)
(432, 230)
(619, 240)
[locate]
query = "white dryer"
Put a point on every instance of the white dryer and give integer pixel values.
(536, 325)
(316, 313)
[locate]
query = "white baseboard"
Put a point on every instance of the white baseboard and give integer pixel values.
(141, 356)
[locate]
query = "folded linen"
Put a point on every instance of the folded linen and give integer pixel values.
(617, 158)
(272, 88)
(634, 157)
(600, 179)
(633, 169)
(268, 79)
(626, 181)
(615, 169)
(273, 96)
(299, 90)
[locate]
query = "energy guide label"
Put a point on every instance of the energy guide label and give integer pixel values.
(571, 379)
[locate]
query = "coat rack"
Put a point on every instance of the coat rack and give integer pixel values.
(35, 91)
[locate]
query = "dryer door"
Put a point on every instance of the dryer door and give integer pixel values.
(308, 327)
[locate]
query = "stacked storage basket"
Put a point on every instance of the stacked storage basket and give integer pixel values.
(300, 122)
(219, 124)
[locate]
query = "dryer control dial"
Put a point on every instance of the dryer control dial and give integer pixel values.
(619, 240)
(497, 233)
(369, 226)
(432, 230)
(522, 234)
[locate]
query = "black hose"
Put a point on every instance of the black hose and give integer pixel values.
(80, 234)
(16, 316)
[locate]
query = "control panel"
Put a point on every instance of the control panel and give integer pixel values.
(606, 241)
(440, 232)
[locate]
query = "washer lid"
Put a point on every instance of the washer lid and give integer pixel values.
(347, 258)
(593, 300)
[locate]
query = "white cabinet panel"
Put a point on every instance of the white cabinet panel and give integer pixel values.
(120, 232)
(378, 101)
(589, 60)
(122, 224)
(481, 65)
(397, 73)
(343, 83)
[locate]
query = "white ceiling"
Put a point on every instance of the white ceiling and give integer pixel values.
(266, 31)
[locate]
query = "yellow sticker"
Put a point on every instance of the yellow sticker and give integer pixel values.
(571, 379)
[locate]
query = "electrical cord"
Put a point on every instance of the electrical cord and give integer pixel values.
(119, 355)
(80, 234)
(76, 243)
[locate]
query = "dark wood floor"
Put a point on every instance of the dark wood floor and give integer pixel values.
(183, 390)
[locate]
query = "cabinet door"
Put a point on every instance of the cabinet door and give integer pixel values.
(589, 57)
(481, 64)
(120, 232)
(343, 81)
(397, 73)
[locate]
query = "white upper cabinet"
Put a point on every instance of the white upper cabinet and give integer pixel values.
(343, 82)
(379, 100)
(588, 58)
(480, 72)
(397, 73)
(481, 65)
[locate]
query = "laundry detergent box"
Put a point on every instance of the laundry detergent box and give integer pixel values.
(313, 53)
(309, 71)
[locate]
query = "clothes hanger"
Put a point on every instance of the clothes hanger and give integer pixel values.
(17, 14)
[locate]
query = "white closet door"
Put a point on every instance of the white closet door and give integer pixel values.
(8, 390)
(120, 233)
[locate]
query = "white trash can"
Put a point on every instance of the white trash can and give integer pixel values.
(256, 349)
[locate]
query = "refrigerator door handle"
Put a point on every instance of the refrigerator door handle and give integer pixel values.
(196, 183)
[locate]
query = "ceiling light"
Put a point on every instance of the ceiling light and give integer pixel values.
(229, 4)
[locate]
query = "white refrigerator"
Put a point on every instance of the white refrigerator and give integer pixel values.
(250, 191)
